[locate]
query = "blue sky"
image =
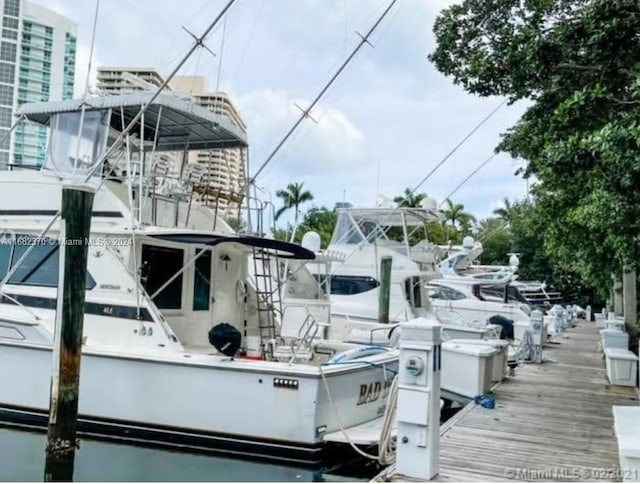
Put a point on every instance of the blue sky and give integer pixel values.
(387, 120)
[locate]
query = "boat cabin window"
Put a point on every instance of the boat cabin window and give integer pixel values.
(446, 293)
(41, 266)
(202, 281)
(349, 285)
(159, 264)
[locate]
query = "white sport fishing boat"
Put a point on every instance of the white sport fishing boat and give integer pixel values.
(178, 349)
(361, 238)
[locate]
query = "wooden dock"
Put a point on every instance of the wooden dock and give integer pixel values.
(551, 422)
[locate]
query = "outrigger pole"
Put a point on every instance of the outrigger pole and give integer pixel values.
(305, 112)
(76, 209)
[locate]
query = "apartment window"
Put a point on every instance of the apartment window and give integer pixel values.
(4, 145)
(9, 34)
(202, 282)
(159, 264)
(6, 95)
(12, 7)
(7, 72)
(5, 117)
(8, 51)
(11, 23)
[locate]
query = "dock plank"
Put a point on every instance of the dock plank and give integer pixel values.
(551, 422)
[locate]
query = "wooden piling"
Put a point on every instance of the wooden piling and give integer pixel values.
(75, 228)
(385, 289)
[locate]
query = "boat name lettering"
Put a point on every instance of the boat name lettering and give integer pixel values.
(373, 391)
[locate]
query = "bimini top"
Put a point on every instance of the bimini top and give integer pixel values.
(394, 216)
(174, 122)
(285, 250)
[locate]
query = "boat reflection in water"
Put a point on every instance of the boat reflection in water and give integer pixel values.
(22, 459)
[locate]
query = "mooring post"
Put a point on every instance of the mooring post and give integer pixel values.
(385, 289)
(630, 305)
(618, 305)
(75, 228)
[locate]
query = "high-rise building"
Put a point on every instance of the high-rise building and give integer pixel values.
(46, 72)
(37, 63)
(222, 172)
(9, 58)
(122, 80)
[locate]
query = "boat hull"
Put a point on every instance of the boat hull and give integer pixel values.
(280, 412)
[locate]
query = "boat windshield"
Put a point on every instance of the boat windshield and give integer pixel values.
(399, 229)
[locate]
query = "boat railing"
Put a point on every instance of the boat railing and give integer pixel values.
(306, 334)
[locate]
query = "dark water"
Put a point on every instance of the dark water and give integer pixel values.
(22, 459)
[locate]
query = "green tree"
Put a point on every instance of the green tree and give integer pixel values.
(506, 211)
(292, 197)
(578, 64)
(410, 199)
(318, 219)
(496, 241)
(459, 219)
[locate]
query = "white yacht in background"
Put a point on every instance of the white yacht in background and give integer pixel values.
(178, 350)
(361, 238)
(461, 261)
(463, 299)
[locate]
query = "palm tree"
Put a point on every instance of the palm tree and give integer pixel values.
(505, 212)
(455, 214)
(292, 197)
(410, 199)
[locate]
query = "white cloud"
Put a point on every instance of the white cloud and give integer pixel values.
(331, 142)
(385, 122)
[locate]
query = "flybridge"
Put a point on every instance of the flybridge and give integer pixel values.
(170, 123)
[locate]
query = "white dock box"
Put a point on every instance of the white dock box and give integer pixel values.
(600, 320)
(615, 324)
(500, 359)
(614, 338)
(626, 423)
(454, 331)
(622, 366)
(466, 369)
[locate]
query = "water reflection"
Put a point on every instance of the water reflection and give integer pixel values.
(22, 459)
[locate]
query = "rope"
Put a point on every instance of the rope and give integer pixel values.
(386, 443)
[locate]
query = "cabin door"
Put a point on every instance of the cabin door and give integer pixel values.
(199, 305)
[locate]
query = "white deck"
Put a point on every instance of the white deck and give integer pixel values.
(364, 434)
